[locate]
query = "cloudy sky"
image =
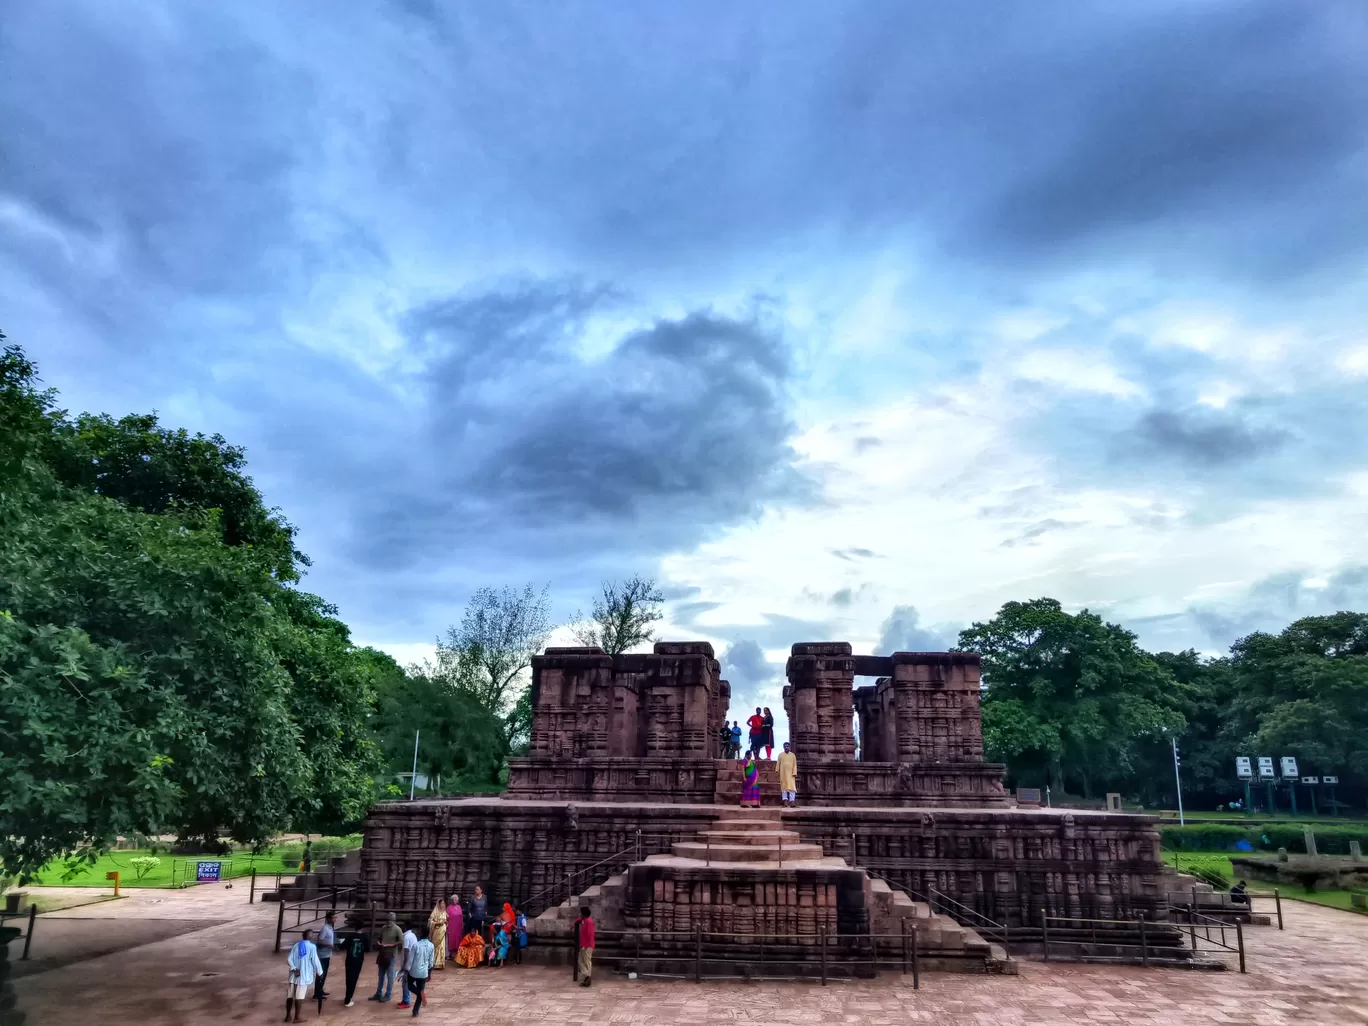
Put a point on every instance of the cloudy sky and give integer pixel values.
(845, 320)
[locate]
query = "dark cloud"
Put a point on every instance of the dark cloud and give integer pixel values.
(1204, 438)
(903, 631)
(853, 553)
(682, 428)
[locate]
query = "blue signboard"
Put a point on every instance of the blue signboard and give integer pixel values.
(207, 872)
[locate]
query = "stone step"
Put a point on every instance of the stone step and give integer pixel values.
(759, 835)
(746, 852)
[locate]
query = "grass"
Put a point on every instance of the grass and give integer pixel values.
(1193, 816)
(172, 870)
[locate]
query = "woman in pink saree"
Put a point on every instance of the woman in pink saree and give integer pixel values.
(455, 926)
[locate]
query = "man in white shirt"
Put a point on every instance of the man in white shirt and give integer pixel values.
(405, 960)
(304, 969)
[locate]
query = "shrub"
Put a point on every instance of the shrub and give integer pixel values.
(144, 864)
(1330, 840)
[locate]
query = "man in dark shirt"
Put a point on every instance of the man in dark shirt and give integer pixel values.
(352, 946)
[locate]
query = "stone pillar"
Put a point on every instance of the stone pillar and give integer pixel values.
(821, 678)
(937, 701)
(571, 702)
(1309, 837)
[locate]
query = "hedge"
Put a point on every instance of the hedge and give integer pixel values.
(1330, 840)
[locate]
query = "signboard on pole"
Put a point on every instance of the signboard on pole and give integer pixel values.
(1330, 780)
(1266, 767)
(1243, 767)
(1310, 780)
(1289, 768)
(208, 872)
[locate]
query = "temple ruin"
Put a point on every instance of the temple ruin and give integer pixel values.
(624, 802)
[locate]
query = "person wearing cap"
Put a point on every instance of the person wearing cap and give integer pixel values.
(390, 939)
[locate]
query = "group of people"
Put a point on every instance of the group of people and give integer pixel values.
(465, 935)
(761, 727)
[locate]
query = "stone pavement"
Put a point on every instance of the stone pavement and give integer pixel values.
(1309, 975)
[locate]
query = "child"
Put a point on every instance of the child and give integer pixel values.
(500, 945)
(519, 937)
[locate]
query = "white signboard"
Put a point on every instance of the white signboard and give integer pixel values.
(1266, 767)
(1289, 767)
(1310, 780)
(1243, 768)
(1330, 780)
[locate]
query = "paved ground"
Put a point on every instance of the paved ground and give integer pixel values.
(1310, 975)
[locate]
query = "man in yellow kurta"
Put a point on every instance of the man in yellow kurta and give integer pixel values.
(788, 777)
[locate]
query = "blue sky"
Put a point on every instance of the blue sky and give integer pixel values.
(844, 320)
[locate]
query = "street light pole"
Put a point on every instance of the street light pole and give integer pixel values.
(1177, 781)
(414, 778)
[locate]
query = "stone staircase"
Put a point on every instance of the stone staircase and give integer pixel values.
(731, 778)
(1182, 890)
(761, 898)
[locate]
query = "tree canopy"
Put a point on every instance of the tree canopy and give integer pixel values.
(158, 668)
(622, 617)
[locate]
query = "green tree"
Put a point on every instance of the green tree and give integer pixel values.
(498, 635)
(622, 617)
(1069, 696)
(152, 591)
(1304, 692)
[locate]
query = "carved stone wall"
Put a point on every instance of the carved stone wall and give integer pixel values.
(818, 699)
(668, 703)
(1006, 863)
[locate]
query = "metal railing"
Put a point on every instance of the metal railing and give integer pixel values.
(776, 955)
(320, 904)
(1196, 920)
(1081, 931)
(30, 917)
(547, 895)
(943, 904)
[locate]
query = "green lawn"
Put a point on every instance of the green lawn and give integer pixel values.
(171, 870)
(1346, 817)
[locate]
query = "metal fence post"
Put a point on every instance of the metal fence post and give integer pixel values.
(1192, 927)
(28, 934)
(1045, 933)
(636, 965)
(698, 952)
(916, 960)
(280, 925)
(821, 930)
(1239, 939)
(1144, 943)
(251, 895)
(903, 924)
(1277, 901)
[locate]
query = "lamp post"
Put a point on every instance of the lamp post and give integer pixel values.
(1177, 781)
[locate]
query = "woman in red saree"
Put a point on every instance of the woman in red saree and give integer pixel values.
(750, 791)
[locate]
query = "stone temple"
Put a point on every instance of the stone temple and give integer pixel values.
(625, 803)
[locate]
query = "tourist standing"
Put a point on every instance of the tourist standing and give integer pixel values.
(750, 790)
(584, 942)
(735, 752)
(353, 946)
(409, 942)
(519, 936)
(420, 967)
(326, 937)
(455, 925)
(757, 732)
(479, 908)
(437, 934)
(788, 777)
(390, 939)
(304, 970)
(768, 728)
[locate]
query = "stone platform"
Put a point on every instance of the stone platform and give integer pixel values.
(1007, 864)
(748, 887)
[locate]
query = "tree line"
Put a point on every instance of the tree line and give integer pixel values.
(1073, 702)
